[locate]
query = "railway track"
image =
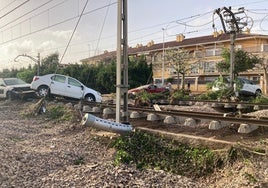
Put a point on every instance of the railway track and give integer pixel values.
(225, 117)
(215, 138)
(229, 117)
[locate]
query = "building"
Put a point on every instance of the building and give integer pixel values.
(205, 53)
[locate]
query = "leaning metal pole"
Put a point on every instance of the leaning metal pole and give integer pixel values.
(121, 89)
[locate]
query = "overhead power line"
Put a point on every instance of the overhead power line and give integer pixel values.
(7, 5)
(73, 31)
(14, 9)
(12, 21)
(105, 17)
(56, 24)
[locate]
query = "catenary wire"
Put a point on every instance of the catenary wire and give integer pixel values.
(7, 5)
(78, 21)
(9, 12)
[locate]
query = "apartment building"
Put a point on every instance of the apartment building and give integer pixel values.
(205, 52)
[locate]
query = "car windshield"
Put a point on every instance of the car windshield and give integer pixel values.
(14, 81)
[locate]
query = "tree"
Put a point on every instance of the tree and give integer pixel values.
(26, 75)
(50, 64)
(243, 61)
(106, 77)
(179, 60)
(264, 65)
(139, 72)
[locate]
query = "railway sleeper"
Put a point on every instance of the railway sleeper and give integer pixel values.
(154, 117)
(216, 125)
(137, 115)
(246, 128)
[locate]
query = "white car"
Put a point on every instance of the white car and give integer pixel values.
(61, 85)
(14, 88)
(245, 86)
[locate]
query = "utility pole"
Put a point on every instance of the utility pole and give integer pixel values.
(235, 26)
(163, 58)
(122, 89)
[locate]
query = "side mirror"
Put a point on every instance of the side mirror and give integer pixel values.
(82, 88)
(2, 85)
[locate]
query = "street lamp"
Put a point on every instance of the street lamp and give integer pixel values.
(163, 56)
(32, 58)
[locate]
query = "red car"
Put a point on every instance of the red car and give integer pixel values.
(150, 88)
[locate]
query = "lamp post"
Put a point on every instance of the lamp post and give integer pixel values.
(36, 60)
(163, 56)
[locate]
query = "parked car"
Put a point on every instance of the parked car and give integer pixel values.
(245, 86)
(12, 88)
(150, 88)
(61, 85)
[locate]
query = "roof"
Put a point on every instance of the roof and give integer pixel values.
(209, 39)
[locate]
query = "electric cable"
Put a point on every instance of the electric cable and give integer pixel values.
(179, 22)
(105, 17)
(7, 5)
(56, 24)
(12, 21)
(73, 31)
(14, 9)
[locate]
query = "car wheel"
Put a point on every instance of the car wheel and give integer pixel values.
(90, 98)
(43, 91)
(258, 93)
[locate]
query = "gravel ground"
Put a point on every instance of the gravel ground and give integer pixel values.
(35, 152)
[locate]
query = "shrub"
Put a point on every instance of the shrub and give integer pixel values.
(149, 151)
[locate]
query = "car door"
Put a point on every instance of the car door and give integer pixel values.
(58, 85)
(248, 87)
(74, 88)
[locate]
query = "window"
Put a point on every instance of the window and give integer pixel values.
(213, 52)
(58, 78)
(209, 52)
(209, 67)
(73, 82)
(194, 68)
(198, 54)
(265, 48)
(2, 82)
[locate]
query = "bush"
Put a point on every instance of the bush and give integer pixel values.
(149, 151)
(61, 113)
(179, 95)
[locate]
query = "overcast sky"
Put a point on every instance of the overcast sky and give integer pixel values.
(46, 26)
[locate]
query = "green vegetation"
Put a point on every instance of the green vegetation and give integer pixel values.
(61, 113)
(260, 99)
(79, 161)
(178, 95)
(144, 98)
(250, 177)
(243, 61)
(215, 95)
(148, 151)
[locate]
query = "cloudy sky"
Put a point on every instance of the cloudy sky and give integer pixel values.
(48, 26)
